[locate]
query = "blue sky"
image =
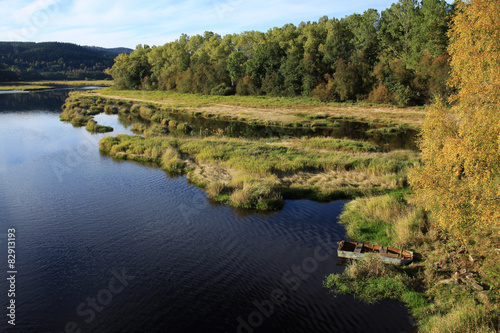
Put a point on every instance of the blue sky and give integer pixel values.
(155, 22)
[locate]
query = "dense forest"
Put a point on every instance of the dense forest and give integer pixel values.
(397, 56)
(54, 61)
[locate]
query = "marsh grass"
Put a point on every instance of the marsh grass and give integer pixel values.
(277, 111)
(171, 161)
(99, 83)
(216, 188)
(94, 127)
(387, 220)
(268, 167)
(465, 316)
(339, 144)
(24, 87)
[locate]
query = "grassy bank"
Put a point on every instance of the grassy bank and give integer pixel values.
(25, 87)
(283, 111)
(447, 288)
(45, 85)
(259, 174)
(99, 83)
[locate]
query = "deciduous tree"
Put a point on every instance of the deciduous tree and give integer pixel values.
(459, 179)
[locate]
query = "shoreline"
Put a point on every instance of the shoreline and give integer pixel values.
(33, 86)
(272, 110)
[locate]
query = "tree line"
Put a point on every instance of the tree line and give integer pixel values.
(54, 61)
(397, 56)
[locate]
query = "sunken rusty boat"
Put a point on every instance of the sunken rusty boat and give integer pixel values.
(390, 255)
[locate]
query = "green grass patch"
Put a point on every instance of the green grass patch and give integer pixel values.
(94, 127)
(98, 83)
(340, 144)
(25, 87)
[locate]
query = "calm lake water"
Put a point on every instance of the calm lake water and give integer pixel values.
(112, 246)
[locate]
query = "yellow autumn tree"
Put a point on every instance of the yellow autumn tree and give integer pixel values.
(459, 178)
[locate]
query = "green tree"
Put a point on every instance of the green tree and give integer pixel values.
(398, 30)
(236, 66)
(130, 70)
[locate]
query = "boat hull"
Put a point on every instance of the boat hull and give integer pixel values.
(354, 250)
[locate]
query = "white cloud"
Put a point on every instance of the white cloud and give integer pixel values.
(37, 11)
(131, 22)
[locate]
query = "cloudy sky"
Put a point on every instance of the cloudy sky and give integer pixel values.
(130, 22)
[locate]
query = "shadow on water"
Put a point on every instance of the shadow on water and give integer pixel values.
(45, 100)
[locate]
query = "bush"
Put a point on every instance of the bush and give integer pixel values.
(260, 194)
(371, 280)
(222, 90)
(145, 112)
(135, 109)
(216, 188)
(246, 87)
(184, 127)
(171, 160)
(138, 128)
(155, 130)
(381, 95)
(108, 109)
(93, 127)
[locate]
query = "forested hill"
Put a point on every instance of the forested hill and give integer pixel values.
(52, 60)
(397, 56)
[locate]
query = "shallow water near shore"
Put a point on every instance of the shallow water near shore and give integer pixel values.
(113, 246)
(357, 130)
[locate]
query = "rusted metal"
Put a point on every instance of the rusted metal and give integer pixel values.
(390, 255)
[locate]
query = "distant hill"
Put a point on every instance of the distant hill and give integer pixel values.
(55, 61)
(116, 50)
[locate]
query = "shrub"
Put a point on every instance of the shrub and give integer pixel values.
(171, 160)
(155, 130)
(108, 109)
(222, 90)
(138, 128)
(325, 91)
(93, 127)
(381, 95)
(216, 188)
(184, 127)
(135, 108)
(145, 112)
(95, 110)
(247, 86)
(260, 194)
